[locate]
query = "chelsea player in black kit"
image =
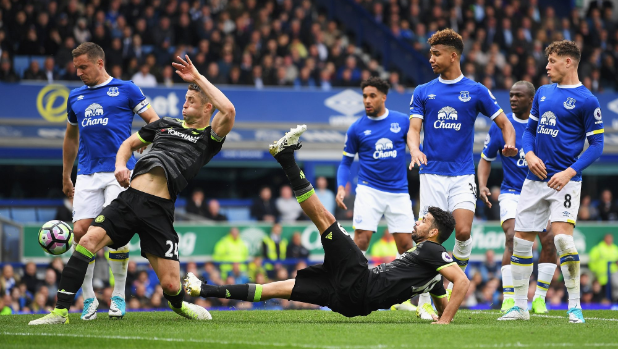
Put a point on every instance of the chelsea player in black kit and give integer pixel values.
(343, 282)
(179, 149)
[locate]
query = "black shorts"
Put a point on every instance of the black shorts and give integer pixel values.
(149, 216)
(340, 283)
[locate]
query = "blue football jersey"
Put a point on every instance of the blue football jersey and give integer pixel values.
(561, 118)
(514, 168)
(449, 109)
(381, 146)
(104, 115)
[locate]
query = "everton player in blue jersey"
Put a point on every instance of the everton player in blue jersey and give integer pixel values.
(447, 108)
(100, 115)
(514, 171)
(563, 115)
(379, 138)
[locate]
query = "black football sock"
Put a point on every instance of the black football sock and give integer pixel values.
(176, 300)
(300, 185)
(73, 276)
(244, 292)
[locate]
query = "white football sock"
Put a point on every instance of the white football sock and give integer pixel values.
(507, 282)
(569, 264)
(546, 273)
(521, 269)
(424, 298)
(461, 255)
(119, 262)
(87, 287)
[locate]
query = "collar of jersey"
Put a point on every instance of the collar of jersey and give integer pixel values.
(103, 83)
(199, 129)
(569, 86)
(378, 118)
(521, 121)
(448, 82)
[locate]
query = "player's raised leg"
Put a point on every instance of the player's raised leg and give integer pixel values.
(73, 275)
(547, 268)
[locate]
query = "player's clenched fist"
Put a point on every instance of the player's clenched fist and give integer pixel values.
(123, 176)
(536, 165)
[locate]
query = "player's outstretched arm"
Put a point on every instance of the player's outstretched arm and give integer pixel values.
(460, 286)
(508, 134)
(69, 153)
(122, 173)
(483, 173)
(224, 119)
(414, 143)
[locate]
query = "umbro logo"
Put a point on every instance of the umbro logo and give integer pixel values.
(367, 132)
(432, 96)
(80, 97)
(329, 236)
(543, 99)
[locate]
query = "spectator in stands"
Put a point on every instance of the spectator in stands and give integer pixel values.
(196, 204)
(30, 278)
(143, 78)
(49, 69)
(606, 252)
(4, 308)
(264, 208)
(490, 269)
(64, 56)
(384, 250)
(274, 246)
(34, 72)
(230, 249)
(325, 195)
(81, 31)
(31, 46)
(213, 211)
(211, 274)
(131, 277)
(296, 249)
(100, 278)
(240, 277)
(65, 212)
(608, 211)
(7, 74)
(56, 265)
(287, 205)
(8, 280)
(587, 212)
(51, 283)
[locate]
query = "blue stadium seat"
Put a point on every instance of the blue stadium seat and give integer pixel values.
(40, 59)
(5, 212)
(146, 49)
(237, 214)
(24, 214)
(20, 64)
(45, 214)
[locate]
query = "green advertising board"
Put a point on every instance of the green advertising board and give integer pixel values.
(197, 241)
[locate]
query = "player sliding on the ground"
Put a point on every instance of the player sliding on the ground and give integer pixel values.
(179, 149)
(514, 171)
(344, 283)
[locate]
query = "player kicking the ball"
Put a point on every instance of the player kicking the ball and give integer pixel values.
(343, 282)
(563, 115)
(100, 116)
(514, 171)
(179, 149)
(447, 108)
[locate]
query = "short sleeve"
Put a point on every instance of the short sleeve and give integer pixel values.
(593, 121)
(487, 103)
(435, 256)
(417, 105)
(71, 117)
(438, 290)
(534, 112)
(137, 101)
(147, 133)
(350, 147)
(492, 144)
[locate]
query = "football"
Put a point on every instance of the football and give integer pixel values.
(56, 237)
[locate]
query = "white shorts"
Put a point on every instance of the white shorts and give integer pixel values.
(508, 206)
(540, 203)
(447, 192)
(92, 193)
(370, 204)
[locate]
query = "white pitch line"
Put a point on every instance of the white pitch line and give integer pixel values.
(478, 312)
(267, 344)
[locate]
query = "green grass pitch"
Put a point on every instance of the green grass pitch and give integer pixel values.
(311, 329)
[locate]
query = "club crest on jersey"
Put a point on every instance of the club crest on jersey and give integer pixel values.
(384, 149)
(113, 92)
(464, 96)
(548, 118)
(570, 103)
(91, 112)
(445, 115)
(395, 127)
